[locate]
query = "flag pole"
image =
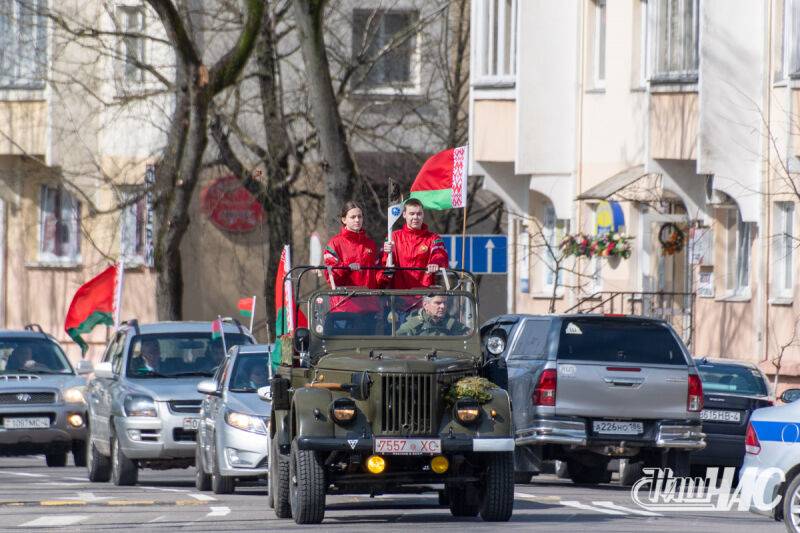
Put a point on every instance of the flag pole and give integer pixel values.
(463, 237)
(222, 334)
(118, 292)
(252, 313)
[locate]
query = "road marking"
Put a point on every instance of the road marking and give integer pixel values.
(584, 507)
(130, 502)
(163, 489)
(202, 497)
(24, 474)
(156, 519)
(219, 511)
(538, 499)
(77, 479)
(612, 505)
(57, 520)
(58, 503)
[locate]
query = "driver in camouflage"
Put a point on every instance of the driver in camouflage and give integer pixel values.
(433, 320)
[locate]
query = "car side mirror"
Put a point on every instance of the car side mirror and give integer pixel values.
(265, 393)
(84, 367)
(496, 342)
(790, 395)
(104, 370)
(208, 386)
(302, 340)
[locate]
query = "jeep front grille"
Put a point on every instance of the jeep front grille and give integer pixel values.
(407, 404)
(27, 398)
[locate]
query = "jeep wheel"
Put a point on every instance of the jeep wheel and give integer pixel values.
(463, 499)
(79, 452)
(220, 484)
(56, 459)
(124, 471)
(202, 480)
(582, 474)
(98, 465)
(278, 482)
(498, 487)
(307, 486)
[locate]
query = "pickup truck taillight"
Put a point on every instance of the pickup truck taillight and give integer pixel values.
(545, 391)
(694, 401)
(751, 444)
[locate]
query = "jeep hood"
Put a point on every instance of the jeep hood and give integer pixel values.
(405, 361)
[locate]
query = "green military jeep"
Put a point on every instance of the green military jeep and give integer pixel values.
(382, 393)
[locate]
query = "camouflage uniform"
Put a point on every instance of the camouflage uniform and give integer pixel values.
(423, 325)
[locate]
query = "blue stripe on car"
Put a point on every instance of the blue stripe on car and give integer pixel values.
(788, 432)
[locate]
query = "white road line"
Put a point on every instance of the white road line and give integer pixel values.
(24, 474)
(537, 499)
(202, 497)
(612, 505)
(584, 507)
(156, 519)
(56, 520)
(162, 489)
(77, 479)
(219, 511)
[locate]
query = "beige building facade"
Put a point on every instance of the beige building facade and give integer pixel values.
(670, 121)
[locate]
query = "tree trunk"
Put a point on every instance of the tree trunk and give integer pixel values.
(338, 164)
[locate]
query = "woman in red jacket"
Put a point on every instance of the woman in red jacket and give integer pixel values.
(352, 248)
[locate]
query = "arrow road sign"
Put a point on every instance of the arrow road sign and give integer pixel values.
(485, 254)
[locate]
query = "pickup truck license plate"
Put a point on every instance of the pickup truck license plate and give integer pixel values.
(717, 415)
(191, 423)
(26, 423)
(392, 446)
(609, 427)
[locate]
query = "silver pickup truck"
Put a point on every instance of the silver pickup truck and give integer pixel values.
(589, 388)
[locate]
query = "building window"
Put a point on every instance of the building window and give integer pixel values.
(787, 62)
(132, 227)
(783, 249)
(59, 222)
(23, 44)
(553, 231)
(640, 80)
(390, 37)
(738, 243)
(675, 52)
(599, 59)
(496, 42)
(130, 23)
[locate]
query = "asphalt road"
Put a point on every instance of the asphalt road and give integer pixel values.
(34, 497)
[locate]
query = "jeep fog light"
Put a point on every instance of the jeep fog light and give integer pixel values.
(75, 420)
(467, 411)
(376, 464)
(440, 464)
(343, 410)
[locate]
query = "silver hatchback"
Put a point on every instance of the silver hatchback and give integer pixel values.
(232, 441)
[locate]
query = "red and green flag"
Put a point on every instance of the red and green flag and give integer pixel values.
(246, 306)
(216, 329)
(92, 305)
(283, 303)
(442, 180)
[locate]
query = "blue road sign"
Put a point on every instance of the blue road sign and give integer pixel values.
(485, 254)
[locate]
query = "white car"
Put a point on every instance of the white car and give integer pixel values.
(773, 441)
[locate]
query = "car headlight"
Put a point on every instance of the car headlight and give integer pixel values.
(467, 411)
(343, 410)
(137, 405)
(74, 395)
(495, 344)
(245, 422)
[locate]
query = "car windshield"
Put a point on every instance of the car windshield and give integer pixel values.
(371, 314)
(249, 372)
(179, 354)
(619, 340)
(735, 379)
(32, 356)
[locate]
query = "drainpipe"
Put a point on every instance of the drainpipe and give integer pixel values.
(763, 340)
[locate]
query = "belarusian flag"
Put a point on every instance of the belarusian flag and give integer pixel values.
(442, 180)
(246, 306)
(284, 306)
(216, 329)
(93, 304)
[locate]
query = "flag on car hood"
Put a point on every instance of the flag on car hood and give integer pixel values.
(442, 180)
(92, 305)
(216, 329)
(246, 306)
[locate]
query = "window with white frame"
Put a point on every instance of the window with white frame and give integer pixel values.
(784, 243)
(599, 47)
(23, 44)
(675, 43)
(391, 37)
(130, 22)
(495, 42)
(59, 225)
(553, 231)
(787, 62)
(738, 244)
(132, 227)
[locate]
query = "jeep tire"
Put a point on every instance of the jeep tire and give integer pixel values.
(497, 502)
(307, 486)
(278, 481)
(464, 499)
(124, 471)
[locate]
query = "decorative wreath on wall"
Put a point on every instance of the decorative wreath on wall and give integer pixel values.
(672, 238)
(605, 245)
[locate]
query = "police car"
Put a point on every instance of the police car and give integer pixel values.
(773, 441)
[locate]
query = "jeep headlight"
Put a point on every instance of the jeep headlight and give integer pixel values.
(245, 422)
(74, 395)
(467, 410)
(139, 405)
(343, 410)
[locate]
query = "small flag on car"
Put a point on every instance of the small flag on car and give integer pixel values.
(216, 329)
(246, 306)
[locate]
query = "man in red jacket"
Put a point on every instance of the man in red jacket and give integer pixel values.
(414, 245)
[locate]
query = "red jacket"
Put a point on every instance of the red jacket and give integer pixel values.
(415, 248)
(352, 247)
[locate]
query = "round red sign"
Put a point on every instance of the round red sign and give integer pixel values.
(230, 206)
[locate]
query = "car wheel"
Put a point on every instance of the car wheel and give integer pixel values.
(630, 472)
(498, 487)
(202, 480)
(307, 487)
(791, 506)
(278, 482)
(98, 466)
(588, 475)
(561, 470)
(124, 471)
(463, 499)
(679, 462)
(220, 484)
(79, 452)
(56, 459)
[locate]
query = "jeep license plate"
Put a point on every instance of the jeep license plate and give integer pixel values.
(392, 446)
(26, 423)
(191, 423)
(610, 427)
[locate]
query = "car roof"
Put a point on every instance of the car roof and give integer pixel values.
(255, 348)
(721, 361)
(24, 334)
(517, 316)
(184, 327)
